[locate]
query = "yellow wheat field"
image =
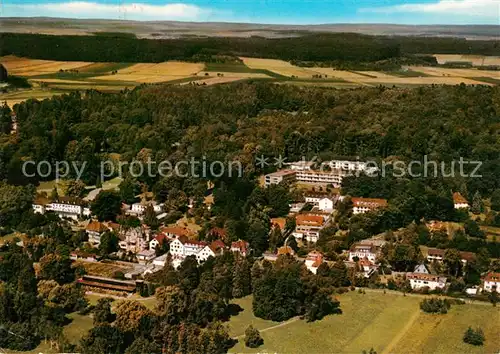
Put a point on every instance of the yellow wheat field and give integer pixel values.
(429, 80)
(456, 72)
(476, 60)
(32, 67)
(234, 75)
(279, 67)
(152, 73)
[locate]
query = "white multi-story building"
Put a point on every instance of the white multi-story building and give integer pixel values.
(363, 205)
(65, 207)
(308, 226)
(140, 208)
(333, 177)
(352, 166)
(182, 247)
(284, 176)
(492, 282)
(361, 251)
(421, 280)
(94, 231)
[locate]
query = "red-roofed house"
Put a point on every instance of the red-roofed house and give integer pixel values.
(173, 232)
(492, 282)
(217, 233)
(94, 230)
(363, 205)
(240, 246)
(159, 239)
(278, 222)
(182, 247)
(460, 202)
(313, 261)
(308, 226)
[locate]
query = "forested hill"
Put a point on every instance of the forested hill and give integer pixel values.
(341, 47)
(242, 121)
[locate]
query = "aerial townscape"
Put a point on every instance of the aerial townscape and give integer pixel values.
(179, 179)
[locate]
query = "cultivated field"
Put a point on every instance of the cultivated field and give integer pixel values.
(401, 81)
(439, 72)
(33, 67)
(153, 73)
(476, 60)
(390, 323)
(279, 67)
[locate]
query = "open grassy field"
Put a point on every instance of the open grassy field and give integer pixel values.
(19, 96)
(476, 60)
(390, 323)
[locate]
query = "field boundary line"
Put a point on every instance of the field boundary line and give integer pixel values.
(401, 333)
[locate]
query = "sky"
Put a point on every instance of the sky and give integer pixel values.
(266, 11)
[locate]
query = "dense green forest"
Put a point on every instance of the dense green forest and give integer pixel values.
(243, 121)
(338, 47)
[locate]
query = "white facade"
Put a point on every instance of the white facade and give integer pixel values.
(363, 251)
(492, 282)
(461, 206)
(287, 176)
(204, 254)
(320, 177)
(68, 209)
(145, 256)
(325, 204)
(38, 208)
(418, 281)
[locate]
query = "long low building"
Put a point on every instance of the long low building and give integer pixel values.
(422, 280)
(108, 283)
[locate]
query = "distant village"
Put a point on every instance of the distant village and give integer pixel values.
(148, 251)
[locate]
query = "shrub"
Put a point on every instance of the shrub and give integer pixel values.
(435, 305)
(474, 337)
(252, 337)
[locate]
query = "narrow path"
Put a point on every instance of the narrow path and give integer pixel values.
(291, 320)
(401, 333)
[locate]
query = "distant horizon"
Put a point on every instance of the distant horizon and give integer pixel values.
(253, 23)
(269, 12)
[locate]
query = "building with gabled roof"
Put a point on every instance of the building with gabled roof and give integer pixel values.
(240, 246)
(308, 226)
(459, 202)
(362, 250)
(491, 282)
(313, 261)
(422, 280)
(363, 205)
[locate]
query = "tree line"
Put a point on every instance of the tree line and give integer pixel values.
(310, 47)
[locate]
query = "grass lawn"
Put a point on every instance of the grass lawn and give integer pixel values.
(78, 327)
(387, 322)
